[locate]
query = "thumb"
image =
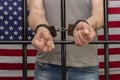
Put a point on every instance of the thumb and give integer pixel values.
(86, 30)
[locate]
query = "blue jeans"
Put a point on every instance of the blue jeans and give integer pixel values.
(53, 72)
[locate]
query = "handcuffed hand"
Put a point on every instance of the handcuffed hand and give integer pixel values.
(43, 40)
(83, 34)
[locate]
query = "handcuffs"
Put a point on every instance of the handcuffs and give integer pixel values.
(54, 31)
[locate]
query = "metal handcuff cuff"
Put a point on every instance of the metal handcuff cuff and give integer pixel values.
(54, 31)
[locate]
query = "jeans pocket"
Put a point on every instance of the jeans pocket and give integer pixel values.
(91, 69)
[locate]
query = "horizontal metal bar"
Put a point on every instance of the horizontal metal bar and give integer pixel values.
(60, 42)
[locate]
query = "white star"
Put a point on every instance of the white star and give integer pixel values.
(10, 28)
(10, 17)
(1, 17)
(11, 37)
(5, 3)
(15, 22)
(15, 33)
(20, 28)
(20, 37)
(6, 32)
(5, 13)
(6, 22)
(15, 4)
(1, 8)
(19, 9)
(33, 33)
(1, 37)
(29, 37)
(10, 8)
(29, 28)
(15, 13)
(1, 27)
(19, 18)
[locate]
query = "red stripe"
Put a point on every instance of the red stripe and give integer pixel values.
(111, 37)
(15, 66)
(114, 24)
(112, 77)
(15, 78)
(16, 52)
(112, 51)
(115, 64)
(114, 10)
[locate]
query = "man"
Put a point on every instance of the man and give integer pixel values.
(82, 62)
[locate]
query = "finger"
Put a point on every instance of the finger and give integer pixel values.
(82, 39)
(86, 30)
(77, 41)
(38, 44)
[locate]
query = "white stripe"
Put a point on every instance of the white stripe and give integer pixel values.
(15, 59)
(114, 4)
(111, 58)
(101, 46)
(112, 71)
(114, 17)
(15, 73)
(15, 46)
(112, 31)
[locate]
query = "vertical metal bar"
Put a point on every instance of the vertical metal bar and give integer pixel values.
(63, 38)
(24, 46)
(106, 46)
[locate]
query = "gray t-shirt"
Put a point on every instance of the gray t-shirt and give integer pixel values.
(76, 56)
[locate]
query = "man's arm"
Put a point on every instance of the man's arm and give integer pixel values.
(97, 18)
(37, 13)
(42, 40)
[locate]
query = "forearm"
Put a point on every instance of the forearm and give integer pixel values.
(96, 21)
(36, 13)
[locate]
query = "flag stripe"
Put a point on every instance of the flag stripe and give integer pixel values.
(111, 37)
(112, 77)
(15, 78)
(16, 52)
(114, 24)
(15, 66)
(114, 10)
(115, 64)
(112, 51)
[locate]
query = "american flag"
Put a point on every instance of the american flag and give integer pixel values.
(11, 29)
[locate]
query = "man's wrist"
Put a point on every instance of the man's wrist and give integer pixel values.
(41, 25)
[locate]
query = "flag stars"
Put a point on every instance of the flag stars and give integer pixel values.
(10, 17)
(11, 37)
(5, 13)
(15, 33)
(20, 28)
(1, 28)
(15, 13)
(19, 9)
(1, 17)
(10, 28)
(1, 37)
(20, 37)
(19, 18)
(15, 22)
(29, 37)
(1, 8)
(6, 32)
(5, 3)
(10, 8)
(15, 4)
(6, 22)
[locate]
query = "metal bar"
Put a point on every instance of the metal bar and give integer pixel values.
(63, 38)
(106, 46)
(24, 46)
(60, 42)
